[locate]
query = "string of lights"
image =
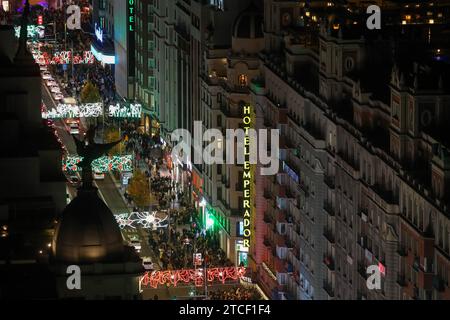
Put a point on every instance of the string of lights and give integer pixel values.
(92, 110)
(145, 219)
(191, 276)
(102, 164)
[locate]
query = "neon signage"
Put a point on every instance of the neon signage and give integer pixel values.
(247, 176)
(130, 15)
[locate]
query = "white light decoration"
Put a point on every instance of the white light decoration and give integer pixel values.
(125, 111)
(145, 219)
(33, 31)
(64, 111)
(122, 163)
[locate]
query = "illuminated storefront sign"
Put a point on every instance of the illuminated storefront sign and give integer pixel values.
(247, 176)
(102, 164)
(130, 36)
(130, 15)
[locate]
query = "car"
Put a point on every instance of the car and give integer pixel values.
(46, 75)
(148, 264)
(51, 83)
(74, 181)
(136, 244)
(98, 175)
(42, 68)
(58, 96)
(55, 89)
(74, 128)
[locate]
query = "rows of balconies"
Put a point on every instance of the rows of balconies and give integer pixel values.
(350, 166)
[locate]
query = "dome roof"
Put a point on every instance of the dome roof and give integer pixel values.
(87, 231)
(249, 23)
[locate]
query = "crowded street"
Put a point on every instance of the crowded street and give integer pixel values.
(174, 246)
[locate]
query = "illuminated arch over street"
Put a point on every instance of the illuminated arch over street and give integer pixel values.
(191, 276)
(145, 219)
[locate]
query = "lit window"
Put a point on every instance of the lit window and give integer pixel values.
(243, 80)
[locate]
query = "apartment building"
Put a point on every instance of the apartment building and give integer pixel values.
(356, 186)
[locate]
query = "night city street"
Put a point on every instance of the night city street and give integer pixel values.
(205, 150)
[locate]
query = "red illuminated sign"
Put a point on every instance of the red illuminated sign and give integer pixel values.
(40, 20)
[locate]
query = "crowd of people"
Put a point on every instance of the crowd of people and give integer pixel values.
(236, 293)
(176, 251)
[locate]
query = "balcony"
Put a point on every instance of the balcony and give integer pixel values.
(267, 194)
(267, 242)
(328, 260)
(362, 270)
(349, 165)
(386, 195)
(401, 280)
(289, 243)
(385, 199)
(328, 234)
(329, 181)
(402, 251)
(328, 287)
(225, 181)
(438, 283)
(327, 206)
(267, 218)
(315, 132)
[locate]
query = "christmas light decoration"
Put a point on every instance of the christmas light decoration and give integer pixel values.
(125, 111)
(64, 111)
(33, 31)
(191, 276)
(102, 164)
(145, 219)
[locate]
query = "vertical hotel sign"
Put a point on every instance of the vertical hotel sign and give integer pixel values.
(247, 175)
(131, 14)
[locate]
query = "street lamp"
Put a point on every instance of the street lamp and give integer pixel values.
(203, 205)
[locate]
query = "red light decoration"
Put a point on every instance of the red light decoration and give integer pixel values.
(40, 20)
(187, 276)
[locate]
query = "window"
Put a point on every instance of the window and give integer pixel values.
(349, 64)
(243, 80)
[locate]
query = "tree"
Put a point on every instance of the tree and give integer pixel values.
(139, 190)
(111, 135)
(90, 93)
